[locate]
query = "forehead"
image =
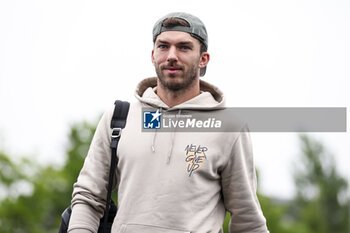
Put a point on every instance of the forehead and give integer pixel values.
(174, 37)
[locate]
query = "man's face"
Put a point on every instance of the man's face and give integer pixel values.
(177, 59)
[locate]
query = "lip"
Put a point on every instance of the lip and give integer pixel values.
(172, 70)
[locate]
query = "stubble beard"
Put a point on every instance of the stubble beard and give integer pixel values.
(187, 78)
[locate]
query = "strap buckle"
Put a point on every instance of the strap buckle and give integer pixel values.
(116, 132)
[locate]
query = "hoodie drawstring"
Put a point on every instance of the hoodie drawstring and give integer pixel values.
(154, 139)
(154, 136)
(172, 142)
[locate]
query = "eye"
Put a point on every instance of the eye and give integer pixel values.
(162, 46)
(185, 48)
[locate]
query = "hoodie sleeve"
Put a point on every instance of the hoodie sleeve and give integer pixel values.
(239, 188)
(90, 191)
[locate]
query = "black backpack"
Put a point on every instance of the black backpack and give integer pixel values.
(118, 122)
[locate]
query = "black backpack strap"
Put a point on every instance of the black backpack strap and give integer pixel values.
(118, 122)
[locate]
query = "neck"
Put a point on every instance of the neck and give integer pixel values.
(173, 98)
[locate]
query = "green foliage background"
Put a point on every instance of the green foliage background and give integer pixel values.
(36, 195)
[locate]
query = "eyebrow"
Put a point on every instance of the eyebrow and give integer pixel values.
(186, 43)
(162, 41)
(180, 43)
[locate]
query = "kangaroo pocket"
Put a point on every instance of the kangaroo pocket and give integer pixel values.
(138, 228)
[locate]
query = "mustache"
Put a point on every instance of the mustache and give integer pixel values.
(171, 65)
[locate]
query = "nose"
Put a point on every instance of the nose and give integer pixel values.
(172, 56)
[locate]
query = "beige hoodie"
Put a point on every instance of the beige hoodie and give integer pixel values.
(170, 182)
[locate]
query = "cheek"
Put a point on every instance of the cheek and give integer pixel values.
(157, 58)
(193, 60)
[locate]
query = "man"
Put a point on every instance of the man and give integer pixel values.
(172, 182)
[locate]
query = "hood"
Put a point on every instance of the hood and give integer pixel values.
(209, 98)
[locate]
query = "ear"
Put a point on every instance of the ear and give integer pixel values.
(204, 60)
(153, 56)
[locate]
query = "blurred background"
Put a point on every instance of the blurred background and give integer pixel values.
(63, 63)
